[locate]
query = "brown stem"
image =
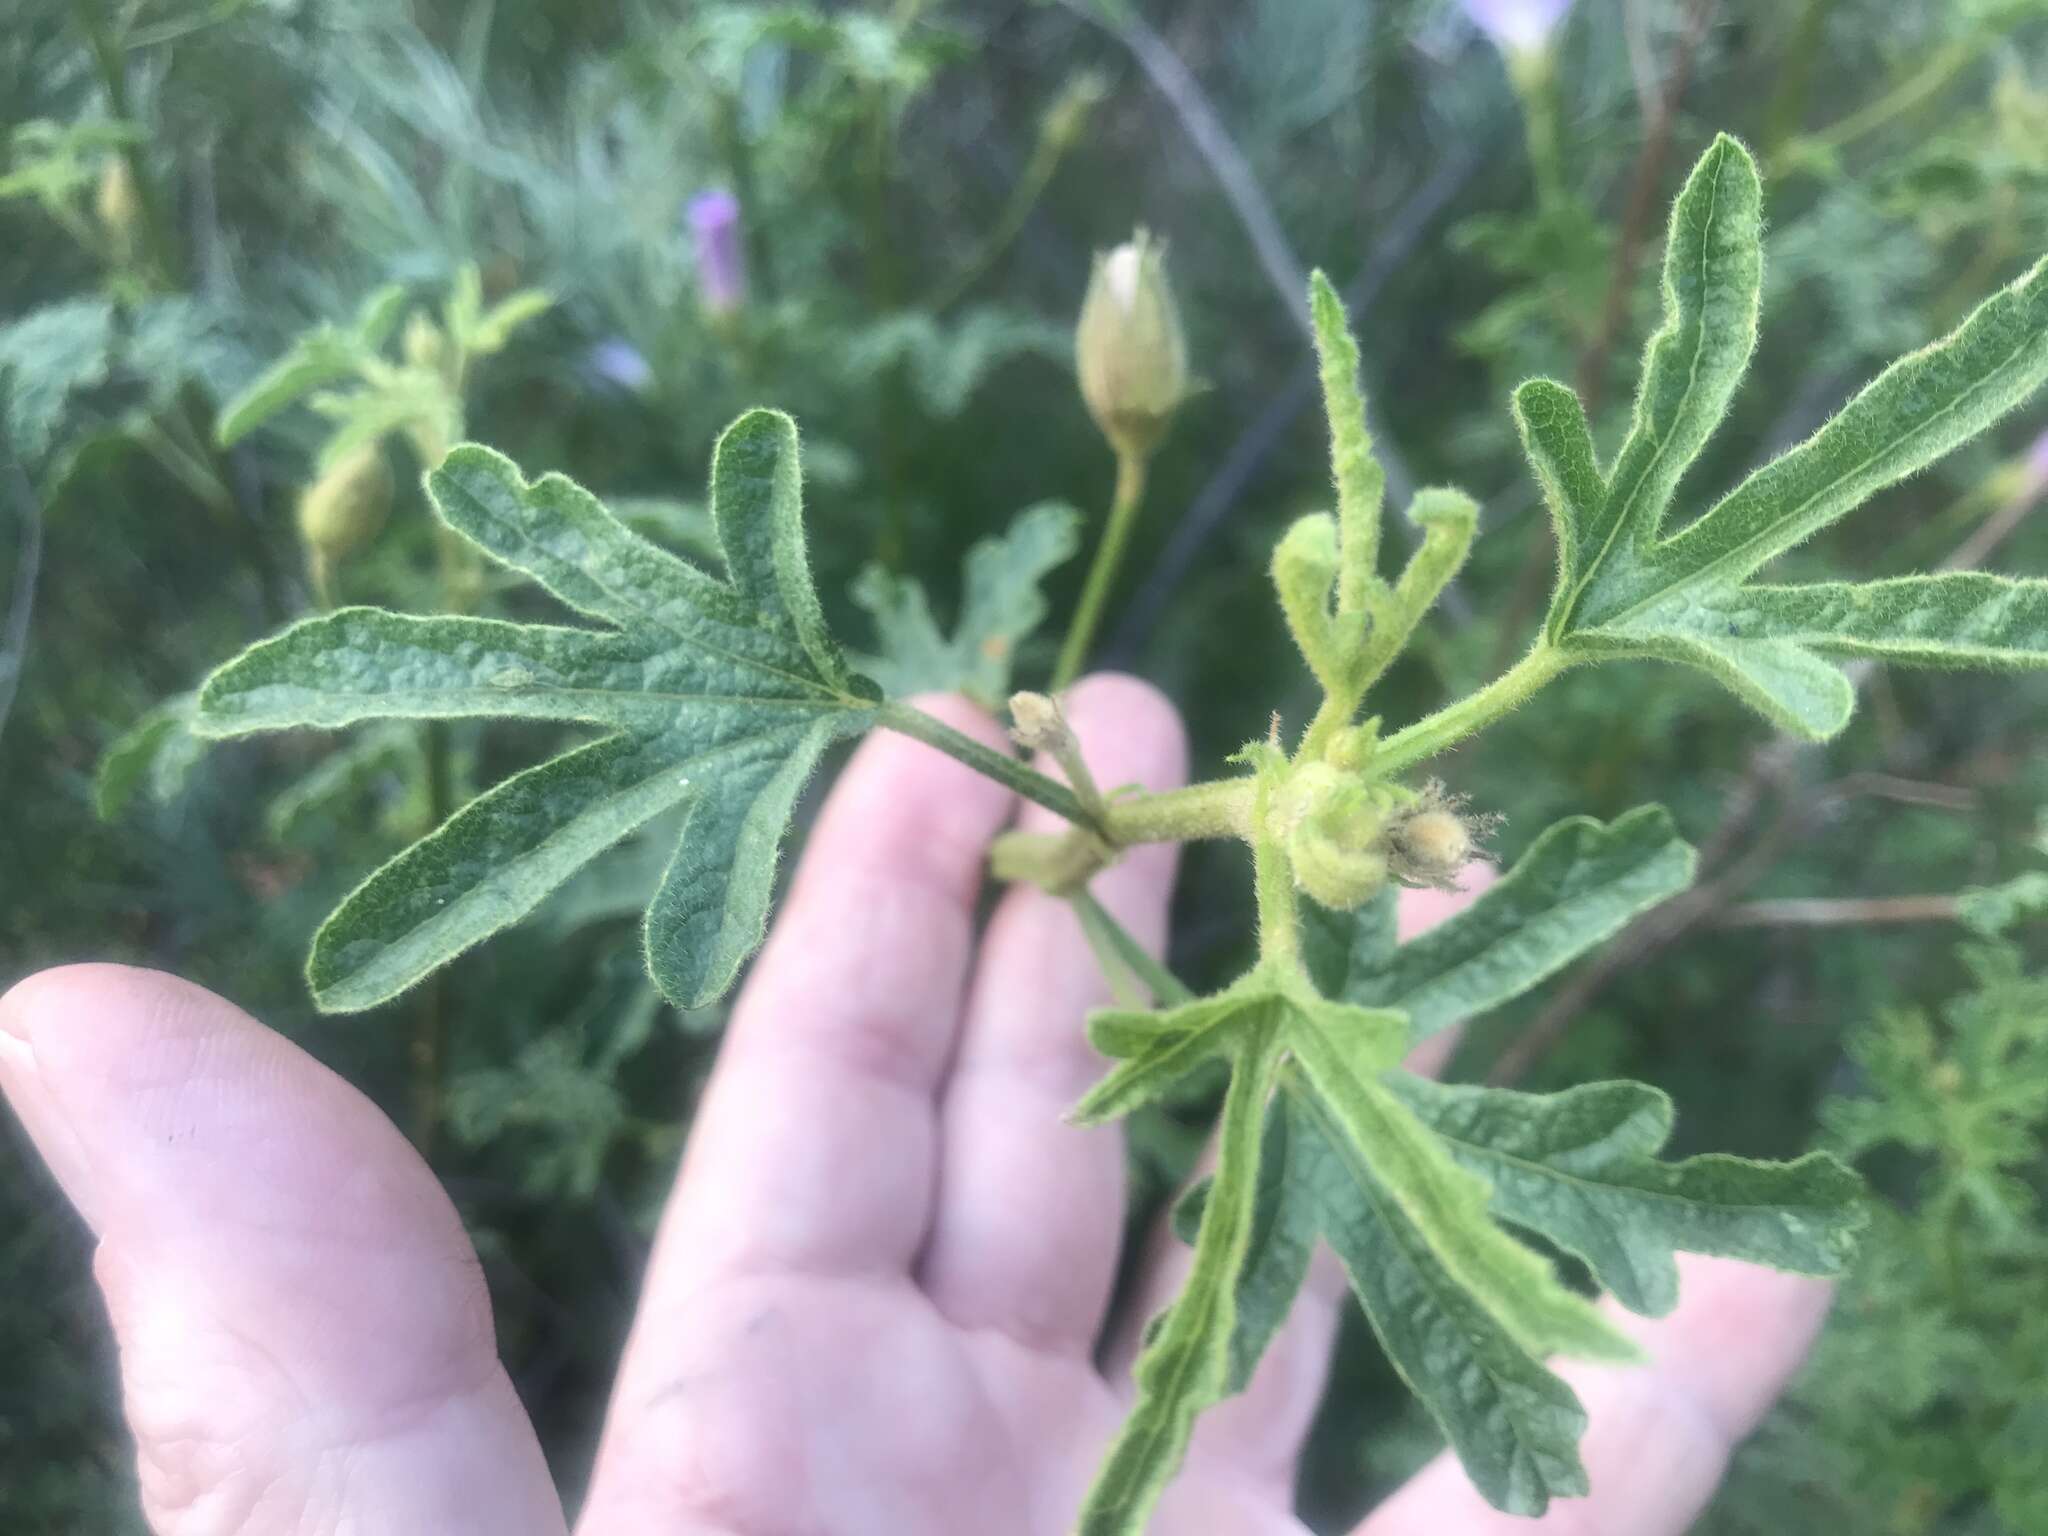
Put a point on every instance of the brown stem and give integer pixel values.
(1838, 912)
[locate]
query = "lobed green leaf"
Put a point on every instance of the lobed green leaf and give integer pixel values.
(1446, 1204)
(1579, 1167)
(322, 356)
(1001, 607)
(1514, 1425)
(721, 696)
(1577, 884)
(1913, 413)
(1186, 1363)
(1713, 282)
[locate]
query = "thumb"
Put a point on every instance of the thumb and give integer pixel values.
(304, 1333)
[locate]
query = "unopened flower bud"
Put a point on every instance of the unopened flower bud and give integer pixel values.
(714, 219)
(1129, 350)
(118, 204)
(345, 508)
(1037, 724)
(1332, 826)
(424, 346)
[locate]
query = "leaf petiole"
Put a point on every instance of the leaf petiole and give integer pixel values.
(986, 760)
(1473, 713)
(1111, 940)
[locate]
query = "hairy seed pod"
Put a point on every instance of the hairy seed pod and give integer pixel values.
(345, 508)
(1432, 841)
(1128, 348)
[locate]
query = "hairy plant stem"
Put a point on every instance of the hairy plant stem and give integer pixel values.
(1109, 553)
(1273, 888)
(986, 760)
(1454, 722)
(1114, 942)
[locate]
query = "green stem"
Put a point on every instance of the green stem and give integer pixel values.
(1215, 808)
(1942, 66)
(1109, 553)
(1535, 82)
(738, 152)
(987, 761)
(1273, 884)
(1453, 723)
(1046, 155)
(1795, 78)
(1113, 940)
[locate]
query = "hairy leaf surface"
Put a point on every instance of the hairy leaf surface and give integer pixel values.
(1575, 886)
(1580, 1168)
(716, 697)
(1627, 589)
(1001, 606)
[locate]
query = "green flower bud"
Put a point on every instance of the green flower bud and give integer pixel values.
(1129, 351)
(1332, 826)
(118, 204)
(424, 345)
(345, 508)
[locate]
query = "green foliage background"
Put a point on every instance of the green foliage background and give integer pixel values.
(298, 155)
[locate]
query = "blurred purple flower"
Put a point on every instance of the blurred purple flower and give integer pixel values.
(1519, 26)
(714, 219)
(617, 361)
(2036, 475)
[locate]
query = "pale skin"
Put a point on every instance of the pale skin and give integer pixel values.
(874, 1299)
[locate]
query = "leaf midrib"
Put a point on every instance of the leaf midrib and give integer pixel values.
(1485, 1151)
(1620, 519)
(1703, 575)
(1334, 1137)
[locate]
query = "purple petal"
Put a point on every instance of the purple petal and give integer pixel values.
(1519, 25)
(714, 220)
(617, 361)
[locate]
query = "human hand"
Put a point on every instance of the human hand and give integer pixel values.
(874, 1301)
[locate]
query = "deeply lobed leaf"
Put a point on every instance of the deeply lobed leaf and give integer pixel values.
(1626, 591)
(1002, 606)
(719, 697)
(1575, 886)
(1579, 1167)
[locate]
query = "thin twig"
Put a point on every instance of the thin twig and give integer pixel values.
(1642, 201)
(1838, 912)
(1218, 150)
